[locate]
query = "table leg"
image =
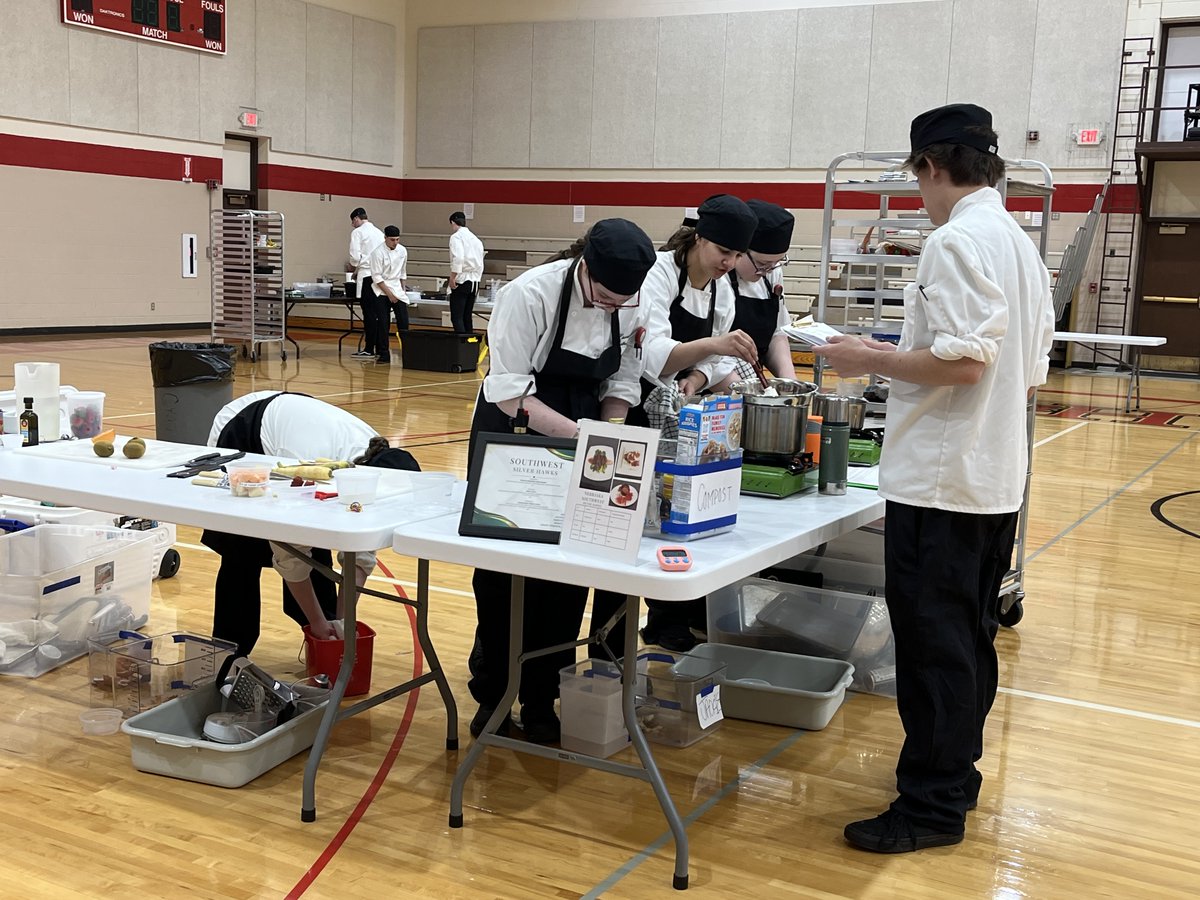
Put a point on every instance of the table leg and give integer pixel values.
(308, 807)
(629, 707)
(431, 659)
(1135, 379)
(516, 627)
(349, 304)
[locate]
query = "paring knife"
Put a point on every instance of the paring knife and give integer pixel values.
(215, 463)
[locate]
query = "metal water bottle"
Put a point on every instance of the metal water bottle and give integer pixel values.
(835, 446)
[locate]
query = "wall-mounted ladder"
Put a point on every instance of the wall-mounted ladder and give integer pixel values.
(1122, 206)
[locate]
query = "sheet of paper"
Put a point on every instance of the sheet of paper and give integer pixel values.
(611, 488)
(813, 334)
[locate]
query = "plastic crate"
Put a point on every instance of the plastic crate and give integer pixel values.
(136, 674)
(62, 586)
(169, 740)
(667, 687)
(779, 688)
(590, 708)
(433, 350)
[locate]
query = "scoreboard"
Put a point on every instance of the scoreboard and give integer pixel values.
(199, 24)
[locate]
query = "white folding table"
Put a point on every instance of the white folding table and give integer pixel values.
(150, 493)
(768, 531)
(1134, 341)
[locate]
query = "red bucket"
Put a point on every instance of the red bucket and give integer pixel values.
(325, 658)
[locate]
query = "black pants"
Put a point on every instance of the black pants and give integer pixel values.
(553, 614)
(943, 575)
(462, 306)
(399, 310)
(366, 308)
(237, 607)
(377, 320)
(673, 614)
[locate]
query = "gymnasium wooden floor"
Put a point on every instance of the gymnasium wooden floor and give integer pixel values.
(1093, 748)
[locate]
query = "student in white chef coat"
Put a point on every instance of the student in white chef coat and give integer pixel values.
(975, 343)
(466, 271)
(693, 301)
(757, 281)
(577, 328)
(388, 265)
(289, 426)
(363, 240)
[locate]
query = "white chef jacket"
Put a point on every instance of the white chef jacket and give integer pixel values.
(389, 267)
(363, 241)
(466, 255)
(981, 292)
(298, 427)
(661, 287)
(763, 288)
(525, 320)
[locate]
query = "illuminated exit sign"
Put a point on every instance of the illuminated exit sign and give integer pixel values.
(199, 24)
(1087, 137)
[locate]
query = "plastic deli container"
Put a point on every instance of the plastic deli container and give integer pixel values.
(249, 479)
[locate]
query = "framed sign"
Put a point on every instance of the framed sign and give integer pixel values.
(517, 487)
(199, 24)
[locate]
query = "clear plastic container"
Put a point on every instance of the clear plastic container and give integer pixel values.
(357, 485)
(135, 674)
(100, 721)
(668, 685)
(590, 704)
(249, 479)
(85, 412)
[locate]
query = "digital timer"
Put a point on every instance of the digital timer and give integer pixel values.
(674, 559)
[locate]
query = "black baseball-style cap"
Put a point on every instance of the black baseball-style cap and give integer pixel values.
(949, 125)
(774, 231)
(618, 255)
(728, 221)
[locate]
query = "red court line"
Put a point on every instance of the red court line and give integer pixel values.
(1090, 395)
(384, 768)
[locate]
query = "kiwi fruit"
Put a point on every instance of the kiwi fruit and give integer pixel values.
(135, 448)
(103, 448)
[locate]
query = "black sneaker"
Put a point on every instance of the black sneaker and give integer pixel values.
(481, 719)
(540, 724)
(894, 832)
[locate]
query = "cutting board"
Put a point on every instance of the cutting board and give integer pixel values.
(159, 454)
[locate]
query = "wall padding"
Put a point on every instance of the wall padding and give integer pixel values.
(502, 107)
(624, 86)
(445, 82)
(561, 112)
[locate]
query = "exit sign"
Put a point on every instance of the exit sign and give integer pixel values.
(1087, 137)
(199, 24)
(248, 119)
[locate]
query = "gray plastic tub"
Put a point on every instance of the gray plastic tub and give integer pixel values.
(168, 740)
(779, 688)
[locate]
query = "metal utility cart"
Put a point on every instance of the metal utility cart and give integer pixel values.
(871, 296)
(248, 303)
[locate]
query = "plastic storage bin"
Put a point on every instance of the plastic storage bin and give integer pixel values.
(667, 687)
(168, 740)
(590, 707)
(136, 674)
(64, 585)
(779, 688)
(432, 350)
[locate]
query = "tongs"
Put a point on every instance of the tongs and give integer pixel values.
(520, 422)
(205, 464)
(758, 370)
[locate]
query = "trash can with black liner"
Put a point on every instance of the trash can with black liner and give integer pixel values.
(191, 384)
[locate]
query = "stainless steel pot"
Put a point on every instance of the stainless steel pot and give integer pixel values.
(774, 425)
(857, 414)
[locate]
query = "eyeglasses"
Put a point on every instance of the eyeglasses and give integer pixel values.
(610, 300)
(762, 269)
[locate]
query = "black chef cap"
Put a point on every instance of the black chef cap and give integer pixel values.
(726, 220)
(618, 255)
(774, 231)
(949, 125)
(394, 458)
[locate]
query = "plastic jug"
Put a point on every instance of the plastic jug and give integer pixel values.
(39, 380)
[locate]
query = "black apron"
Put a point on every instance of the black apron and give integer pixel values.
(568, 382)
(757, 316)
(684, 328)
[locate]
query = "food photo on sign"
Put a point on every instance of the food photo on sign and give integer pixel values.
(600, 463)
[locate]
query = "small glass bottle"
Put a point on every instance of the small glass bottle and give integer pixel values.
(29, 425)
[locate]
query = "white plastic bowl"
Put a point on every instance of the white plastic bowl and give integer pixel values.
(430, 486)
(100, 721)
(357, 485)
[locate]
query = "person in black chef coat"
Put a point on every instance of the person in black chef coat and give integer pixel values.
(571, 327)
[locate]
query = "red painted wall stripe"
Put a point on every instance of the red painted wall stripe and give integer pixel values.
(42, 153)
(98, 159)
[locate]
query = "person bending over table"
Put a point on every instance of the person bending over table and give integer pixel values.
(692, 300)
(573, 327)
(974, 346)
(292, 426)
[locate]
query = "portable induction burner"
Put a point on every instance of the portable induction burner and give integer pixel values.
(866, 445)
(777, 475)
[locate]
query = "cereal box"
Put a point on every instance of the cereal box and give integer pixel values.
(710, 430)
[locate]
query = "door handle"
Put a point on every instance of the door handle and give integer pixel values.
(1158, 299)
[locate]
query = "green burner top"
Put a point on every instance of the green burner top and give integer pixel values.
(775, 481)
